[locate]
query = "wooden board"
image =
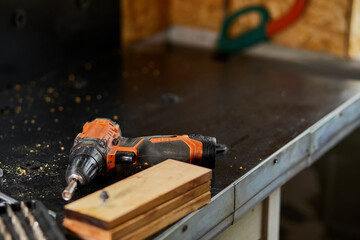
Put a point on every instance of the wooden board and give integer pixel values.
(138, 193)
(88, 231)
(169, 218)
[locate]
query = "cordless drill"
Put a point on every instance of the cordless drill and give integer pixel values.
(100, 147)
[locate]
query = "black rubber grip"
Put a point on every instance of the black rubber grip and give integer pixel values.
(153, 152)
(209, 150)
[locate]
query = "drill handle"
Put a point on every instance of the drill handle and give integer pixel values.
(195, 149)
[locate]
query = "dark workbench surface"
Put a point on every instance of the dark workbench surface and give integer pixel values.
(254, 105)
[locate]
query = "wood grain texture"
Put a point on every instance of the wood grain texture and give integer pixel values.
(323, 27)
(250, 21)
(328, 26)
(85, 230)
(354, 32)
(169, 218)
(88, 230)
(139, 193)
(141, 19)
(205, 14)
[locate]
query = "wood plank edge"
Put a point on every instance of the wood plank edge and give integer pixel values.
(168, 219)
(86, 230)
(205, 177)
(161, 210)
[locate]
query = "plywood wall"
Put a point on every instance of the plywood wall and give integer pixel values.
(204, 14)
(243, 24)
(143, 18)
(354, 37)
(330, 26)
(323, 27)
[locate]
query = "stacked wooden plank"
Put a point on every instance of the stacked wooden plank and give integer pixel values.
(142, 204)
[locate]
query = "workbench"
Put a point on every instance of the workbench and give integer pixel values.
(276, 117)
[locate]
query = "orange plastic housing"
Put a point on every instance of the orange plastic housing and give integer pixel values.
(103, 129)
(196, 147)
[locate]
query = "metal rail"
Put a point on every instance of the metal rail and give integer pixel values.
(239, 197)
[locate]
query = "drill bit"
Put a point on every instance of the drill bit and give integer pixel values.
(70, 189)
(3, 231)
(16, 223)
(38, 233)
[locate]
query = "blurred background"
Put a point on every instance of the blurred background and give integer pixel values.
(36, 37)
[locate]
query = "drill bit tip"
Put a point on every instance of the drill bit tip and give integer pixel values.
(69, 190)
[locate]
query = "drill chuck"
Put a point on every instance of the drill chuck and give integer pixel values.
(86, 161)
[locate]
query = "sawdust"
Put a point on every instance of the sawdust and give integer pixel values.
(50, 90)
(18, 109)
(77, 99)
(47, 99)
(72, 77)
(24, 154)
(88, 66)
(20, 171)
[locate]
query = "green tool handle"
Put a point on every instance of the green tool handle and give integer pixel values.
(229, 44)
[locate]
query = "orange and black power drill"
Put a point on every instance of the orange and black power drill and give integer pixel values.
(100, 147)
